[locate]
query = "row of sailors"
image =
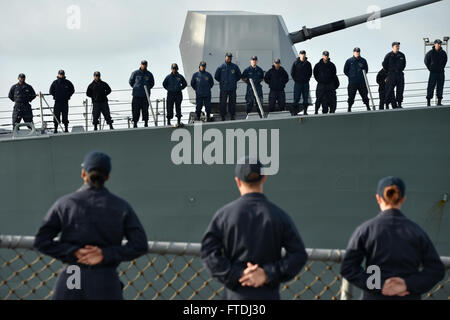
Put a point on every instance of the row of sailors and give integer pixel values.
(390, 80)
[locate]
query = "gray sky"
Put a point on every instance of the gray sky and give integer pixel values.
(115, 35)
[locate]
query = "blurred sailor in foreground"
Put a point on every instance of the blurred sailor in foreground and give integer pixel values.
(242, 245)
(408, 262)
(92, 222)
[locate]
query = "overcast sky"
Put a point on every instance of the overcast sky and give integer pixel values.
(115, 35)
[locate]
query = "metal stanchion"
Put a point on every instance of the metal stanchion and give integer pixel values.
(368, 89)
(257, 98)
(164, 110)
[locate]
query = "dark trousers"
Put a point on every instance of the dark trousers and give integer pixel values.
(277, 96)
(326, 96)
(301, 90)
(382, 96)
(103, 108)
(174, 98)
(22, 111)
(230, 96)
(250, 99)
(357, 87)
(203, 101)
(138, 105)
(395, 80)
(61, 108)
(96, 284)
(435, 79)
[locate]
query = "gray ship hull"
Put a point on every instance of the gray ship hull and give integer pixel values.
(328, 171)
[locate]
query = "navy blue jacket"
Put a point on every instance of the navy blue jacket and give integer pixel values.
(252, 229)
(276, 79)
(21, 93)
(92, 216)
(381, 80)
(62, 89)
(174, 83)
(202, 82)
(353, 69)
(394, 63)
(399, 247)
(139, 79)
(257, 74)
(98, 91)
(301, 71)
(325, 73)
(228, 74)
(436, 60)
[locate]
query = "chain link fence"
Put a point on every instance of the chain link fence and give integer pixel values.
(174, 271)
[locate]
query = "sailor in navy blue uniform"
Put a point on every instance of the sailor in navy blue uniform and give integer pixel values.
(62, 90)
(202, 82)
(174, 83)
(436, 60)
(92, 222)
(394, 63)
(408, 262)
(228, 74)
(139, 80)
(242, 245)
(22, 94)
(255, 73)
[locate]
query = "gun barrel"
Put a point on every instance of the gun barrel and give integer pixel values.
(306, 33)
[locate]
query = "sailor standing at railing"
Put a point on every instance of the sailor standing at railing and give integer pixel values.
(174, 83)
(62, 90)
(353, 69)
(436, 60)
(202, 82)
(139, 80)
(22, 94)
(255, 73)
(394, 63)
(228, 74)
(92, 222)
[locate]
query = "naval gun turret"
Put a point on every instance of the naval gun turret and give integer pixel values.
(207, 35)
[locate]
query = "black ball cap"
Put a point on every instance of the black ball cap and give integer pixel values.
(277, 61)
(395, 43)
(248, 169)
(229, 54)
(21, 76)
(255, 58)
(302, 52)
(174, 66)
(390, 181)
(96, 160)
(202, 64)
(438, 41)
(144, 62)
(356, 49)
(61, 72)
(325, 53)
(96, 73)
